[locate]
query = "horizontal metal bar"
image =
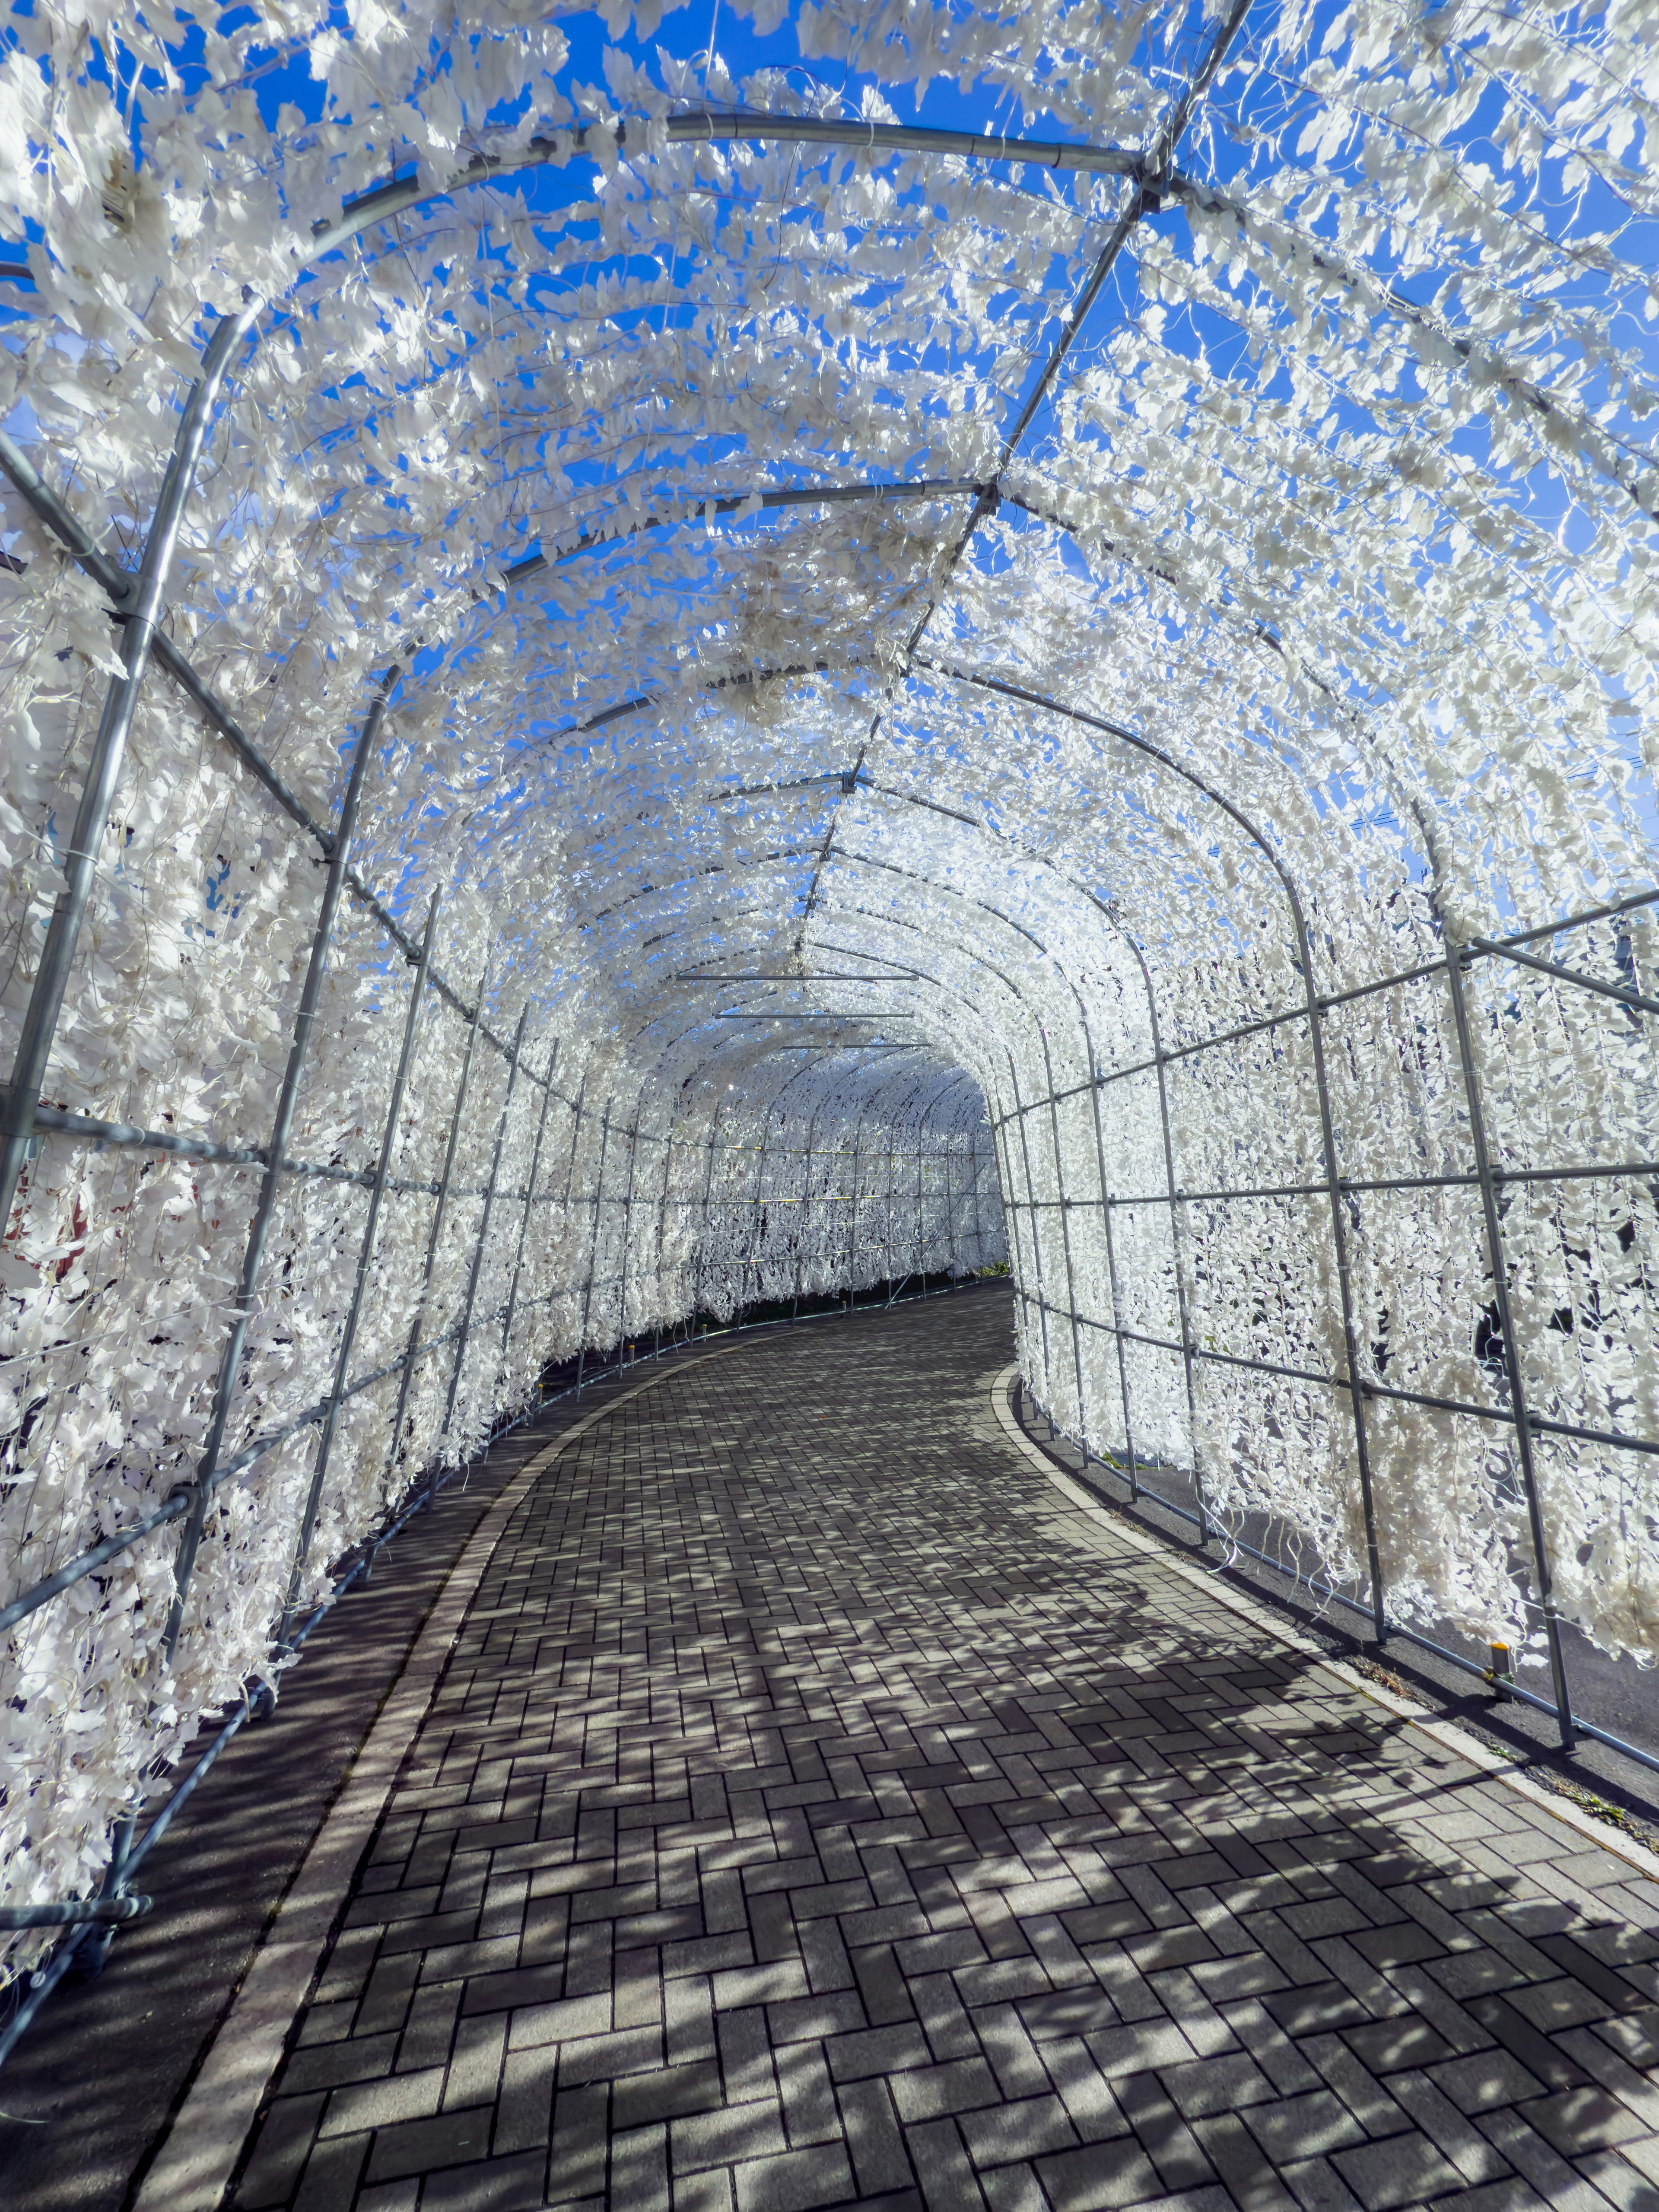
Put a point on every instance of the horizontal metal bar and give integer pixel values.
(125, 1133)
(714, 126)
(73, 1910)
(1611, 1170)
(55, 1122)
(1630, 905)
(726, 981)
(1637, 1000)
(1614, 1439)
(88, 1562)
(842, 1018)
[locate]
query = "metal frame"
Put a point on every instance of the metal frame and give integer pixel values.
(138, 600)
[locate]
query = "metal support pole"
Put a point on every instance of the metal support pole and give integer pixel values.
(1339, 1239)
(628, 1231)
(411, 1349)
(804, 1227)
(979, 1196)
(477, 1268)
(1117, 1302)
(1175, 1239)
(950, 1212)
(662, 1238)
(1065, 1238)
(593, 1251)
(1036, 1225)
(141, 602)
(570, 1168)
(707, 1190)
(853, 1212)
(1455, 956)
(365, 1256)
(924, 1251)
(887, 1215)
(753, 1261)
(524, 1219)
(288, 1100)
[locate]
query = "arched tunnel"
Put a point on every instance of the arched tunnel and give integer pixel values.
(829, 1161)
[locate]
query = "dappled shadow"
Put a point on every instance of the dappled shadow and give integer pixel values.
(802, 1802)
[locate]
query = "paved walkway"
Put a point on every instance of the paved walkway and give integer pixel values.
(85, 2094)
(810, 1816)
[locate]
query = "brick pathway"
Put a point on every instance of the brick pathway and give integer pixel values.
(809, 1818)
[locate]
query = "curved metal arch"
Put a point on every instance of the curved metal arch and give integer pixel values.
(1100, 1161)
(985, 907)
(1314, 1017)
(991, 968)
(1041, 860)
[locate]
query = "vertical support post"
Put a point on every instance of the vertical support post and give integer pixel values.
(804, 1226)
(593, 1249)
(412, 1348)
(529, 1201)
(570, 1170)
(1066, 1239)
(632, 1136)
(365, 1256)
(477, 1268)
(288, 1100)
(1175, 1239)
(950, 1208)
(1455, 956)
(922, 1254)
(707, 1192)
(1344, 1284)
(141, 605)
(1036, 1225)
(1003, 1152)
(1181, 1291)
(975, 1154)
(887, 1215)
(662, 1239)
(853, 1212)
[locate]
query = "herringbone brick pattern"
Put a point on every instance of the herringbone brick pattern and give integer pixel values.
(807, 1819)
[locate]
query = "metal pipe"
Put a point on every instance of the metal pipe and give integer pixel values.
(633, 1135)
(287, 1101)
(1305, 951)
(1510, 1343)
(128, 1136)
(1066, 1236)
(707, 1188)
(1111, 1275)
(365, 1255)
(74, 1911)
(524, 1222)
(593, 1251)
(476, 1268)
(1635, 1000)
(433, 1235)
(662, 1237)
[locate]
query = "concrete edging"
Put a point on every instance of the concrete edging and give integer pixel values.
(198, 2156)
(1446, 1734)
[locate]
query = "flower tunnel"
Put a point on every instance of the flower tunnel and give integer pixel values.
(630, 703)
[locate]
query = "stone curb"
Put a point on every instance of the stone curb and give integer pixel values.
(192, 2169)
(1446, 1734)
